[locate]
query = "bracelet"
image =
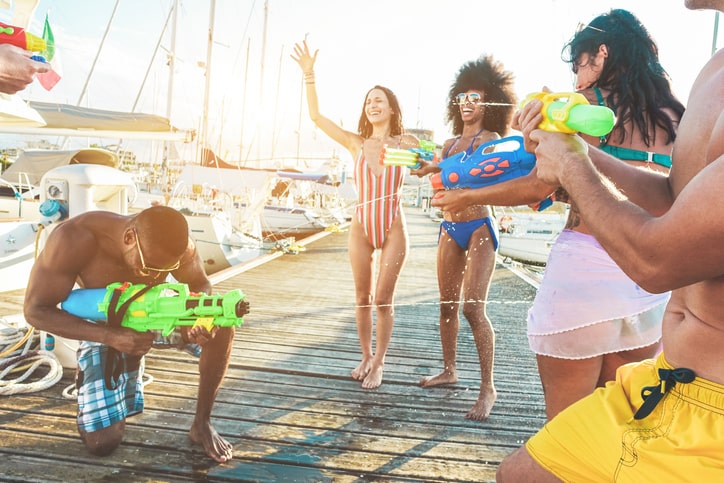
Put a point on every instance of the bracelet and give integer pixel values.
(309, 83)
(309, 74)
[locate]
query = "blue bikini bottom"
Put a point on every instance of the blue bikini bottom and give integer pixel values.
(461, 231)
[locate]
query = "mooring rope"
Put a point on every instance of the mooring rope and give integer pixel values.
(20, 359)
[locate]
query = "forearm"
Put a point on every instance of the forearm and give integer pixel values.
(620, 226)
(63, 324)
(524, 190)
(646, 188)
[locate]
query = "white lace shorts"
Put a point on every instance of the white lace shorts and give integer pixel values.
(600, 338)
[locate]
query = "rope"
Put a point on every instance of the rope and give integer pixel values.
(25, 361)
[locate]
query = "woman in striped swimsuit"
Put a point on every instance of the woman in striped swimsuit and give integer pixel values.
(379, 222)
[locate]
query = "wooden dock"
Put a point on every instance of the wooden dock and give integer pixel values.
(288, 404)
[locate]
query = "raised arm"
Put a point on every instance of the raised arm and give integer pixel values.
(306, 61)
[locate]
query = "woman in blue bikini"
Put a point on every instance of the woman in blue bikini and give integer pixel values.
(468, 239)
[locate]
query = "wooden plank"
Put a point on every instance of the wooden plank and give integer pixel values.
(288, 403)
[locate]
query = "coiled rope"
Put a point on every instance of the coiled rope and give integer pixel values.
(20, 358)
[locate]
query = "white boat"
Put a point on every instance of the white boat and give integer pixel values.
(21, 220)
(306, 202)
(526, 237)
(223, 208)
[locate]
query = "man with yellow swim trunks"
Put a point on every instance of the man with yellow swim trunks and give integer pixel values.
(660, 420)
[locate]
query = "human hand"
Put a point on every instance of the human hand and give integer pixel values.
(302, 57)
(555, 152)
(452, 201)
(200, 335)
(528, 119)
(17, 69)
(426, 167)
(130, 341)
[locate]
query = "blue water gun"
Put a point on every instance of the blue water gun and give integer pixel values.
(482, 169)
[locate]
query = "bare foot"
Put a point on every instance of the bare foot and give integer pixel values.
(482, 407)
(445, 377)
(215, 446)
(360, 372)
(374, 378)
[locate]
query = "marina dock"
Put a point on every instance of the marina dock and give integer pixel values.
(288, 404)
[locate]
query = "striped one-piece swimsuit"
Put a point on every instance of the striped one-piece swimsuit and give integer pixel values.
(379, 199)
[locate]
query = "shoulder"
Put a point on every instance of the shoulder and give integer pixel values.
(591, 96)
(485, 137)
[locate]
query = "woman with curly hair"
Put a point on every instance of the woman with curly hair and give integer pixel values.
(480, 109)
(588, 317)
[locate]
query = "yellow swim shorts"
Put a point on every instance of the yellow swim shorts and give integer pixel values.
(598, 439)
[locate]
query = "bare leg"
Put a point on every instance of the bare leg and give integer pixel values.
(478, 275)
(103, 441)
(392, 259)
(212, 368)
(565, 381)
(520, 466)
(450, 267)
(361, 256)
(611, 362)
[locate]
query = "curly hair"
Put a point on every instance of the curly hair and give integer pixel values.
(490, 77)
(364, 127)
(639, 86)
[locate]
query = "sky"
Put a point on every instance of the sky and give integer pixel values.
(256, 108)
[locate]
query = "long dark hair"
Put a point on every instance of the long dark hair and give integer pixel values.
(364, 127)
(490, 77)
(639, 86)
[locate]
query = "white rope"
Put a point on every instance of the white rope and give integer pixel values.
(13, 359)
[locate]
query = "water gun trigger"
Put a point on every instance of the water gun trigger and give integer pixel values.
(205, 322)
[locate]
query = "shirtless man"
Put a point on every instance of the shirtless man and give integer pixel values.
(96, 249)
(660, 420)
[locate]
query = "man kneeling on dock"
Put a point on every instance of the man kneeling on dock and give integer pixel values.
(96, 249)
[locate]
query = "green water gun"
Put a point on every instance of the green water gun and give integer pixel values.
(158, 307)
(570, 112)
(409, 157)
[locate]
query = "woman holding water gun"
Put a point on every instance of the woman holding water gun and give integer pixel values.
(468, 237)
(588, 317)
(379, 222)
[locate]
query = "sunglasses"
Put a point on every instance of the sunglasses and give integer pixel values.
(146, 268)
(472, 98)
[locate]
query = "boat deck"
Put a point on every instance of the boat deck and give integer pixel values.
(288, 404)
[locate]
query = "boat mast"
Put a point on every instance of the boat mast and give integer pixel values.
(715, 36)
(98, 54)
(169, 93)
(243, 107)
(205, 120)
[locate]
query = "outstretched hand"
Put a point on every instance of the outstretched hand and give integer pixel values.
(17, 69)
(426, 167)
(302, 57)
